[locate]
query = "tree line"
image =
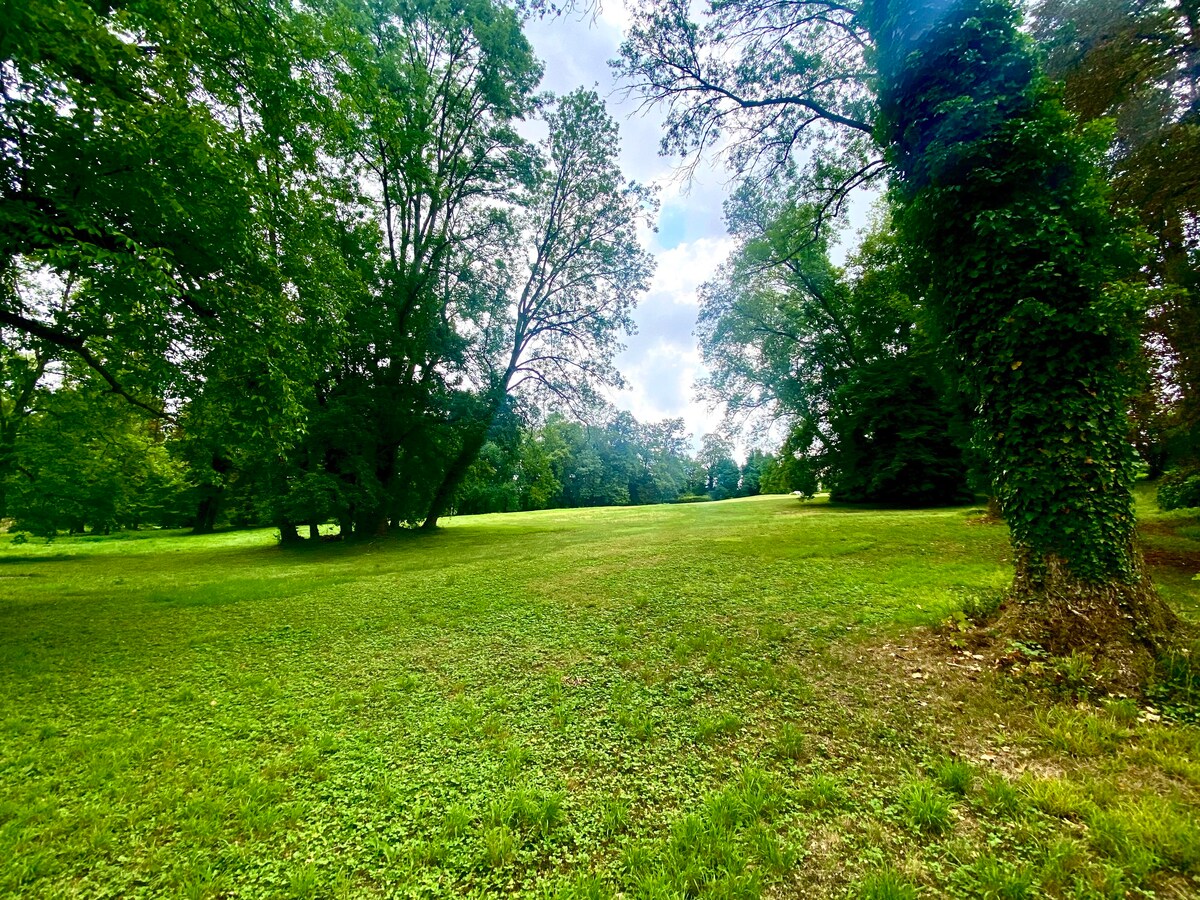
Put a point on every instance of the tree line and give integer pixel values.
(89, 462)
(616, 461)
(309, 246)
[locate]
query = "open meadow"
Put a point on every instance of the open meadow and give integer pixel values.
(750, 698)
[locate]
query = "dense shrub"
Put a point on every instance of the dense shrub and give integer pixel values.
(1179, 489)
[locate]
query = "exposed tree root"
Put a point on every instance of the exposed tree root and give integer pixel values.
(1124, 625)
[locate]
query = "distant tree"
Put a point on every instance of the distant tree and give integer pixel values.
(662, 452)
(578, 268)
(840, 356)
(721, 474)
(613, 462)
(695, 479)
(771, 478)
(86, 460)
(538, 486)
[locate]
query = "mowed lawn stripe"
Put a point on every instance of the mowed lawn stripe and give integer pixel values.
(661, 701)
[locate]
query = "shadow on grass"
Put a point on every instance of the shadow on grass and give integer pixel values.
(7, 560)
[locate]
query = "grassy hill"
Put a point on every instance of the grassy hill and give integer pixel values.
(723, 700)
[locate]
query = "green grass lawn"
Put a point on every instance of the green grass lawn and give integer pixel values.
(722, 700)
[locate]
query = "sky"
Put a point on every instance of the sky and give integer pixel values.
(661, 362)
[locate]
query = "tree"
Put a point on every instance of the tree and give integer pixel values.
(299, 234)
(661, 471)
(582, 268)
(133, 148)
(840, 356)
(997, 189)
(615, 461)
(23, 362)
(721, 474)
(167, 167)
(1031, 297)
(757, 463)
(88, 460)
(1134, 64)
(427, 94)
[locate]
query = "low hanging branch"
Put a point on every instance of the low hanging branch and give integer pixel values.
(77, 345)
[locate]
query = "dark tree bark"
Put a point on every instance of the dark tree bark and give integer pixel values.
(288, 535)
(1004, 200)
(211, 495)
(473, 442)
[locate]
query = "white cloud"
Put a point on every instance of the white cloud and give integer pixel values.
(615, 13)
(662, 362)
(682, 269)
(662, 386)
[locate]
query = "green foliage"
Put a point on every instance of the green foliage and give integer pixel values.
(86, 461)
(886, 885)
(1179, 489)
(1124, 62)
(162, 178)
(980, 608)
(1176, 685)
(843, 356)
(954, 776)
(990, 877)
(789, 743)
(1029, 293)
(926, 807)
(757, 466)
(895, 440)
(186, 214)
(561, 463)
(823, 792)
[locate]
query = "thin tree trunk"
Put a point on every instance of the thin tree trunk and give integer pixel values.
(994, 512)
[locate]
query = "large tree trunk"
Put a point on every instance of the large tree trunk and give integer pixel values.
(1063, 612)
(473, 442)
(288, 535)
(373, 520)
(206, 511)
(211, 496)
(1001, 198)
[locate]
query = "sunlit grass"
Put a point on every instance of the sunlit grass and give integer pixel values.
(674, 701)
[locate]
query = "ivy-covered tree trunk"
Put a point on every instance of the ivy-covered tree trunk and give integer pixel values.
(1003, 198)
